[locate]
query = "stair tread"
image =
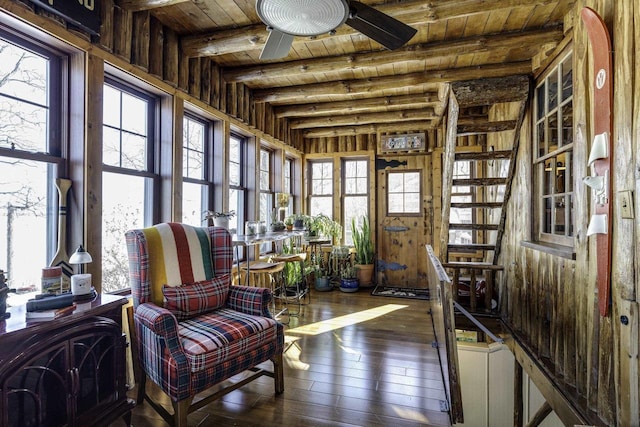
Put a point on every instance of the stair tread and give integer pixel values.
(472, 264)
(473, 226)
(472, 246)
(483, 155)
(469, 205)
(480, 181)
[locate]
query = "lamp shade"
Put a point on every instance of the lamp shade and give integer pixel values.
(80, 256)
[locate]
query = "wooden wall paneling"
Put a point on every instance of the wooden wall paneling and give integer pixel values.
(123, 20)
(156, 48)
(184, 65)
(140, 39)
(171, 119)
(170, 58)
(216, 83)
(106, 25)
(606, 386)
(194, 77)
(447, 172)
(436, 189)
(624, 273)
(93, 166)
(205, 80)
(567, 326)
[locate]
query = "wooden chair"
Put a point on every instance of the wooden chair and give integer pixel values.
(192, 328)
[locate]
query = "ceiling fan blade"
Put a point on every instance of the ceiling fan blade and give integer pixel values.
(384, 29)
(277, 45)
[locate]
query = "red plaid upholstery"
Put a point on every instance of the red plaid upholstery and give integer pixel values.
(185, 357)
(190, 300)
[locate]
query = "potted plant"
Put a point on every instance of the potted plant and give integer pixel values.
(364, 252)
(219, 219)
(322, 279)
(288, 222)
(322, 225)
(348, 279)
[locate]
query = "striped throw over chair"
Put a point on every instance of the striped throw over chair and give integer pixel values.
(193, 329)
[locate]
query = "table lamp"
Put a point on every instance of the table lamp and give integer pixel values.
(81, 283)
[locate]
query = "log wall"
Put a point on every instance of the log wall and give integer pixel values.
(551, 301)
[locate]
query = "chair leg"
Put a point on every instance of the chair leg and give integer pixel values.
(180, 412)
(278, 373)
(142, 382)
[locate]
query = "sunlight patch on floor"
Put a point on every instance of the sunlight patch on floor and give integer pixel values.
(410, 414)
(292, 354)
(347, 320)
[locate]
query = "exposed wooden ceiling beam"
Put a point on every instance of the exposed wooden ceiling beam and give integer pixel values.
(374, 87)
(474, 93)
(138, 5)
(370, 105)
(418, 53)
(413, 12)
(362, 119)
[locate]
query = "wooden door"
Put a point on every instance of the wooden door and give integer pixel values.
(402, 235)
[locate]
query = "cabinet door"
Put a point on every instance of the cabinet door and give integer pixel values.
(96, 360)
(36, 391)
(64, 377)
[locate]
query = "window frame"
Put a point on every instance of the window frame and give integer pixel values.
(207, 181)
(346, 229)
(311, 194)
(543, 155)
(419, 192)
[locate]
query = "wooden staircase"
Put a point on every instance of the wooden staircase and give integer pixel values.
(471, 243)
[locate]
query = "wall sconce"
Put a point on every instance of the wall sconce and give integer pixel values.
(599, 148)
(597, 225)
(81, 283)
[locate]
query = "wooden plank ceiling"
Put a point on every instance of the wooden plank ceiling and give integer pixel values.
(348, 84)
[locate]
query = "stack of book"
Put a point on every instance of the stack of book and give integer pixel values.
(47, 307)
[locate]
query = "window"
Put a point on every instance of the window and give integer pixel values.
(403, 193)
(197, 169)
(553, 139)
(356, 194)
(31, 102)
(267, 210)
(321, 191)
(237, 181)
(128, 163)
(288, 185)
(462, 169)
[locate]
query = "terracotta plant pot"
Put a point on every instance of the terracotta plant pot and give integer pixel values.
(365, 275)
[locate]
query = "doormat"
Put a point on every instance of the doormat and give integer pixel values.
(399, 292)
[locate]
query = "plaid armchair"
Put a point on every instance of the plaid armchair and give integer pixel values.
(192, 328)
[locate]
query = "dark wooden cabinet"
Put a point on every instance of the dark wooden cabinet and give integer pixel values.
(65, 372)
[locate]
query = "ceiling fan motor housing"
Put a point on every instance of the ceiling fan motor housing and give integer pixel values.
(303, 17)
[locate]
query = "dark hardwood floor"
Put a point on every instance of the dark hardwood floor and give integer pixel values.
(353, 360)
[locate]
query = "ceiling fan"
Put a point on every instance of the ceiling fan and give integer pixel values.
(288, 18)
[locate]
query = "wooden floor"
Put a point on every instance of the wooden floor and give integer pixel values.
(353, 360)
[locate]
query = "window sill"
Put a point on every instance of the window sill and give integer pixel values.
(551, 248)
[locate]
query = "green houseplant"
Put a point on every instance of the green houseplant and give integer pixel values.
(364, 251)
(348, 278)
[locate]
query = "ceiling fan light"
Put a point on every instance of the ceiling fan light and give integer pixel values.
(303, 17)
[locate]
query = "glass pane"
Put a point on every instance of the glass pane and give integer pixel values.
(567, 123)
(548, 176)
(568, 173)
(546, 226)
(110, 146)
(541, 138)
(552, 122)
(234, 174)
(559, 215)
(412, 181)
(350, 186)
(111, 107)
(193, 164)
(541, 98)
(552, 81)
(569, 218)
(354, 207)
(134, 114)
(560, 185)
(265, 180)
(121, 211)
(361, 186)
(412, 203)
(395, 183)
(235, 196)
(193, 205)
(23, 126)
(321, 205)
(134, 151)
(23, 74)
(23, 224)
(567, 78)
(395, 203)
(234, 150)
